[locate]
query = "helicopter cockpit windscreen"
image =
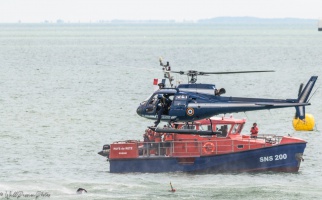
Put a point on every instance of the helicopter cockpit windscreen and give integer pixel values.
(152, 104)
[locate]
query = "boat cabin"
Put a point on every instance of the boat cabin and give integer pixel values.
(214, 136)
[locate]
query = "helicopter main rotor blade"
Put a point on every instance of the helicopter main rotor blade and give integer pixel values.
(235, 72)
(179, 72)
(193, 72)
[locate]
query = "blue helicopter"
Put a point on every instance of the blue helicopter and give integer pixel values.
(192, 101)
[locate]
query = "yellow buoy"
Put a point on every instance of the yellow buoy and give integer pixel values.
(306, 124)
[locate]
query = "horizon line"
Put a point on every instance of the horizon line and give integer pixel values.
(203, 20)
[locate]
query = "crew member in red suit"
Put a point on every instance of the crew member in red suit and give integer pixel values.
(254, 131)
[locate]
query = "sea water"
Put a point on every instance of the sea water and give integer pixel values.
(68, 89)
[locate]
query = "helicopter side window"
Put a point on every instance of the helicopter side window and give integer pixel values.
(181, 97)
(180, 100)
(179, 103)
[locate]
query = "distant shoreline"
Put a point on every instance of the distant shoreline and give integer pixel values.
(216, 20)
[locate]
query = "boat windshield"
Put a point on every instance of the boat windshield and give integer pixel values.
(235, 129)
(205, 127)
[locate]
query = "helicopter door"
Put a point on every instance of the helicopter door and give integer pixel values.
(179, 105)
(151, 107)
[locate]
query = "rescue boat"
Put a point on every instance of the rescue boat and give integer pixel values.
(209, 145)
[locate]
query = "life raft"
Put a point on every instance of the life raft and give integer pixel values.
(208, 148)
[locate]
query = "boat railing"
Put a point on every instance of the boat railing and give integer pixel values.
(195, 148)
(270, 138)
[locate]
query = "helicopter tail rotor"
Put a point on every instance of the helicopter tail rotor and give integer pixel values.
(303, 97)
(300, 89)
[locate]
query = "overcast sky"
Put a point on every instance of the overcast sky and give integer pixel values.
(94, 10)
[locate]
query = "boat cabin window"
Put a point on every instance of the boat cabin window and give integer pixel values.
(240, 128)
(223, 128)
(235, 129)
(205, 127)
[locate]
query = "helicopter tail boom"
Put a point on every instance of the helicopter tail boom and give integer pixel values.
(304, 96)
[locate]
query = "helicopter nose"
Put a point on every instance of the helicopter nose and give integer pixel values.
(139, 110)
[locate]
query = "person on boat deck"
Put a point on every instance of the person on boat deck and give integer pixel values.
(163, 107)
(162, 144)
(254, 131)
(168, 138)
(151, 138)
(146, 141)
(157, 139)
